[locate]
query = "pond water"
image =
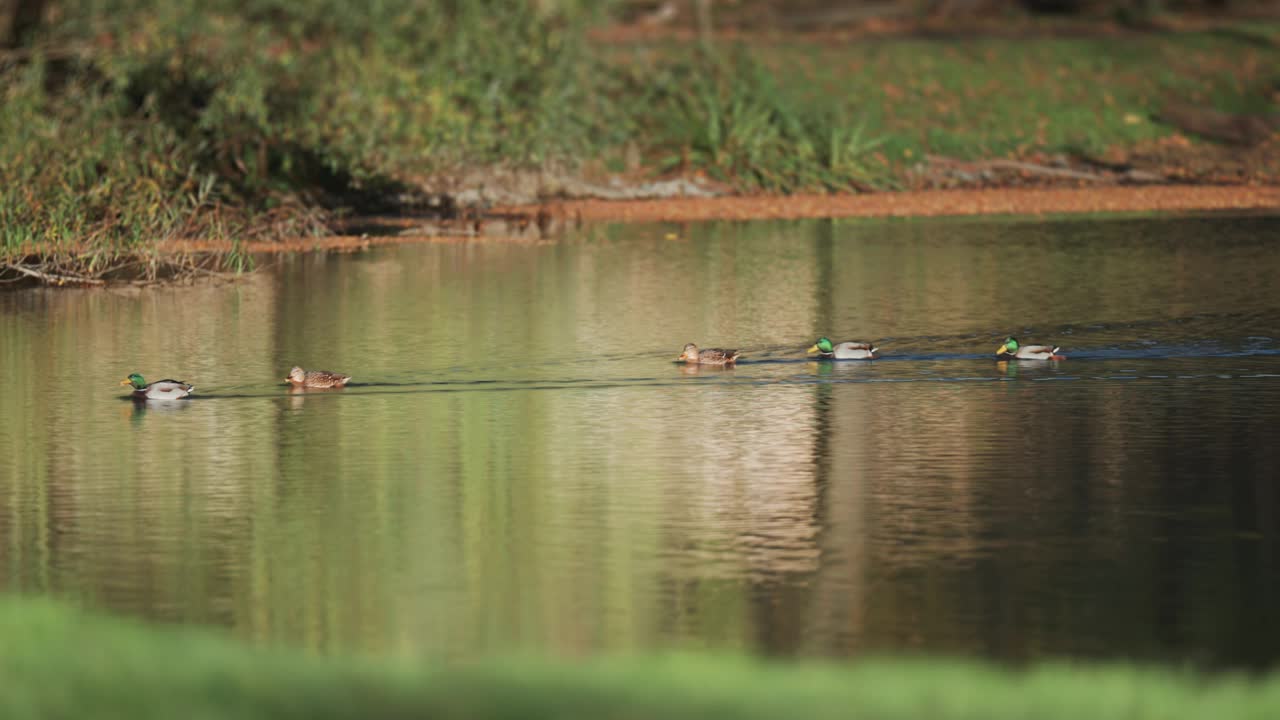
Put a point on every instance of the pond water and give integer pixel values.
(520, 466)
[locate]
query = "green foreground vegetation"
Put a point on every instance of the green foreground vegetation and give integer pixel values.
(56, 662)
(127, 122)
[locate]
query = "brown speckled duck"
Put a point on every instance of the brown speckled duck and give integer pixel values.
(316, 378)
(709, 356)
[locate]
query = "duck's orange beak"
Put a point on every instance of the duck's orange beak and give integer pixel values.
(683, 356)
(1003, 349)
(126, 381)
(811, 350)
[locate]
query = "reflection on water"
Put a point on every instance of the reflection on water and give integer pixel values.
(521, 465)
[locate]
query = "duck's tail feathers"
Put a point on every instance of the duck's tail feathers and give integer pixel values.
(874, 350)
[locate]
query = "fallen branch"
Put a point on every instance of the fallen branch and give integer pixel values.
(1019, 166)
(52, 278)
(26, 54)
(1035, 169)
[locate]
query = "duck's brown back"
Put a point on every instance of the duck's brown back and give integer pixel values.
(324, 379)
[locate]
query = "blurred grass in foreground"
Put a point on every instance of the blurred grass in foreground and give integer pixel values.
(56, 662)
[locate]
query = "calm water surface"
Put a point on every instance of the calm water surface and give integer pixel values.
(520, 465)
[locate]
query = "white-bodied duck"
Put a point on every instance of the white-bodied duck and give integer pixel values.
(158, 390)
(844, 351)
(1011, 350)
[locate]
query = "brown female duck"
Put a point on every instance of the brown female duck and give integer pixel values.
(316, 378)
(709, 356)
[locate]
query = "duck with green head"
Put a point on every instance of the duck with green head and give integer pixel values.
(158, 390)
(1012, 350)
(849, 350)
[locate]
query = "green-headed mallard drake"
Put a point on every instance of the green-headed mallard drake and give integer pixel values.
(158, 390)
(316, 378)
(709, 356)
(1011, 350)
(844, 351)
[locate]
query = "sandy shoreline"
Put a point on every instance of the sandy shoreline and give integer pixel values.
(522, 223)
(927, 203)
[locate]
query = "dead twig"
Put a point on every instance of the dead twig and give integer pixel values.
(1018, 166)
(25, 54)
(1035, 169)
(52, 278)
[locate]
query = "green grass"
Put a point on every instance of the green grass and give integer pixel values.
(735, 119)
(896, 100)
(133, 121)
(57, 663)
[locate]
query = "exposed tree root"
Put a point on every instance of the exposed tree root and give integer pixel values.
(94, 271)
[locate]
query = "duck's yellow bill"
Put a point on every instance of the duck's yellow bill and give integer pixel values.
(812, 350)
(1003, 349)
(126, 381)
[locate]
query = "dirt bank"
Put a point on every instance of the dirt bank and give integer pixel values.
(531, 222)
(524, 223)
(927, 203)
(542, 222)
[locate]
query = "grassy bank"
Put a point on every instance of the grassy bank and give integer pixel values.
(131, 122)
(58, 663)
(127, 122)
(787, 115)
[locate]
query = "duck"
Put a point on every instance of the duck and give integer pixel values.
(850, 350)
(709, 356)
(158, 390)
(316, 378)
(1012, 350)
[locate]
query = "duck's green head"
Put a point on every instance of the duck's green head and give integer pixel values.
(135, 380)
(1010, 346)
(822, 346)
